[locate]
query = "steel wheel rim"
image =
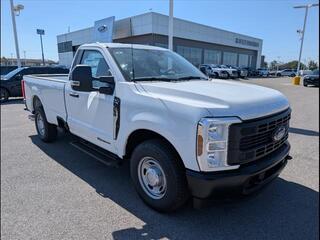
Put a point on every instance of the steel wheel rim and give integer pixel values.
(40, 125)
(152, 178)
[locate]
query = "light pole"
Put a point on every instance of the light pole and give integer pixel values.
(16, 10)
(170, 30)
(24, 56)
(41, 32)
(303, 30)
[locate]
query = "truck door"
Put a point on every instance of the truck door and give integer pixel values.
(90, 114)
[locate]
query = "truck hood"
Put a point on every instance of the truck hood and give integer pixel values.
(219, 97)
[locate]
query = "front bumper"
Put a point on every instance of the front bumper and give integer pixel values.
(223, 75)
(311, 81)
(242, 181)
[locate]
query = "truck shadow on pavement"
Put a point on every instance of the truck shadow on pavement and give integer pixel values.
(284, 210)
(303, 131)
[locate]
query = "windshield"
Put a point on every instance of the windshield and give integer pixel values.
(12, 73)
(214, 66)
(154, 65)
(315, 72)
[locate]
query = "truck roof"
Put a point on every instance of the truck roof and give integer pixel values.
(123, 45)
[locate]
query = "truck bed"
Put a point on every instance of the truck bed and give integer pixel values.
(49, 88)
(50, 77)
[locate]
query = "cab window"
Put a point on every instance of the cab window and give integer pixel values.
(98, 64)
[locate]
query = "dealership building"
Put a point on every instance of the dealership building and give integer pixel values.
(198, 43)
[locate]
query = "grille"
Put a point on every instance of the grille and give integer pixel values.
(234, 72)
(251, 140)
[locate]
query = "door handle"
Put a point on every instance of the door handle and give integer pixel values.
(73, 94)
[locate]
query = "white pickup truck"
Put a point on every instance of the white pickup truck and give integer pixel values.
(184, 135)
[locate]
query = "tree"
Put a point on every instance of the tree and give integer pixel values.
(273, 64)
(312, 65)
(293, 65)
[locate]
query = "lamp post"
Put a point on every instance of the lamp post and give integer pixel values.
(306, 7)
(15, 10)
(170, 30)
(41, 32)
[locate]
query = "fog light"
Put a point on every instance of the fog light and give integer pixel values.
(217, 146)
(212, 161)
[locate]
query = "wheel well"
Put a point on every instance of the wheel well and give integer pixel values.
(142, 135)
(36, 102)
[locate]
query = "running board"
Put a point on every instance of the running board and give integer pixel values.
(98, 153)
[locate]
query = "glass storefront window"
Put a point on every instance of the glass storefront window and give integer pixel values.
(230, 58)
(193, 55)
(250, 60)
(243, 60)
(212, 57)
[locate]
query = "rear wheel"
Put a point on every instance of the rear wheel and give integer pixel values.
(4, 95)
(46, 131)
(158, 176)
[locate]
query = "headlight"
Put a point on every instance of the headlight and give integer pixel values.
(212, 143)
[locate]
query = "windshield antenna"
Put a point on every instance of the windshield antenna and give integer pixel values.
(133, 77)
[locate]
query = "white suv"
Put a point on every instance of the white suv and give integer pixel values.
(286, 72)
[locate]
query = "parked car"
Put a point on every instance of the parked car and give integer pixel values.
(242, 72)
(252, 72)
(10, 85)
(312, 79)
(152, 107)
(213, 70)
(286, 72)
(305, 72)
(263, 72)
(232, 72)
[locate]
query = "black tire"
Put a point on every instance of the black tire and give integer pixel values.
(292, 75)
(176, 193)
(4, 95)
(305, 84)
(228, 76)
(49, 133)
(278, 75)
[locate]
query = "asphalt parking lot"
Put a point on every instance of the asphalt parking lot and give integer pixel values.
(54, 191)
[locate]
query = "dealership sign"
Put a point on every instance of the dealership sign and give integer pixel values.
(103, 30)
(247, 42)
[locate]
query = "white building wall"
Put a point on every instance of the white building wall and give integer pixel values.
(65, 58)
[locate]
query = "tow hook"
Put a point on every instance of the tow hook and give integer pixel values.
(288, 157)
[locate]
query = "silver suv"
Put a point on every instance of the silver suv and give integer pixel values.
(214, 71)
(287, 72)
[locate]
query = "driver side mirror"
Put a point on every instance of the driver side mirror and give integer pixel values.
(81, 78)
(108, 89)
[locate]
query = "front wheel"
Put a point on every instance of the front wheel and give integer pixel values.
(158, 176)
(46, 131)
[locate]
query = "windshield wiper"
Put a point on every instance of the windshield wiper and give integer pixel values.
(152, 79)
(190, 78)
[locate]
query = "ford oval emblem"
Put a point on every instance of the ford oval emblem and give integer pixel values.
(102, 28)
(279, 133)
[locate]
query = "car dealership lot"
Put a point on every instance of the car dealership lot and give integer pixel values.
(54, 191)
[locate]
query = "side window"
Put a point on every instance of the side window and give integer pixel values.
(98, 64)
(96, 61)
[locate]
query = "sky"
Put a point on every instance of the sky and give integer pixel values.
(274, 21)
